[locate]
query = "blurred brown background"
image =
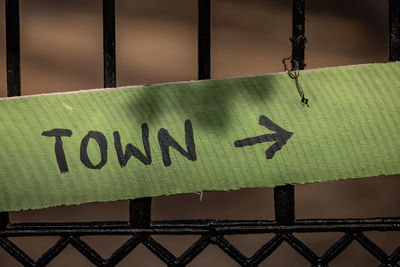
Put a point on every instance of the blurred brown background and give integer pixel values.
(61, 50)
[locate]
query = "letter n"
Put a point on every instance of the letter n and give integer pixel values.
(165, 140)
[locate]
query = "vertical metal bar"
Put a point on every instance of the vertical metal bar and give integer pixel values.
(140, 212)
(284, 195)
(4, 219)
(394, 30)
(139, 209)
(298, 39)
(109, 43)
(13, 64)
(284, 204)
(204, 39)
(13, 48)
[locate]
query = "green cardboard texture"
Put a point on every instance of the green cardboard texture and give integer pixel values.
(226, 134)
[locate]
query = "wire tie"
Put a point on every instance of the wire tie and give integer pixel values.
(295, 76)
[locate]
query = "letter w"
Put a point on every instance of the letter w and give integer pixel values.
(131, 150)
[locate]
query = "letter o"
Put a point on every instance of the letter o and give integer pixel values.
(102, 142)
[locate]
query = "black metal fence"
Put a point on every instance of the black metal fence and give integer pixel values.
(140, 227)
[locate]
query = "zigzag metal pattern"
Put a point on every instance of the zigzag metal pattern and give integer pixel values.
(197, 247)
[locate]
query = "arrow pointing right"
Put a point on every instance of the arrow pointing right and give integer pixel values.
(281, 136)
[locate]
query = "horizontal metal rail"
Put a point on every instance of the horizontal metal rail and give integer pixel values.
(210, 232)
(201, 227)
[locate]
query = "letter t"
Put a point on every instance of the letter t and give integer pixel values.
(58, 147)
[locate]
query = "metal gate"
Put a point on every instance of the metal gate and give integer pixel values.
(140, 227)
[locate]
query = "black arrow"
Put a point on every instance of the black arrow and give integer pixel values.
(281, 136)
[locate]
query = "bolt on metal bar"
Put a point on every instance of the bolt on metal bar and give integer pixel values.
(204, 40)
(109, 43)
(13, 48)
(394, 30)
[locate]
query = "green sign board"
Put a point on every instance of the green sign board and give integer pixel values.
(124, 143)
